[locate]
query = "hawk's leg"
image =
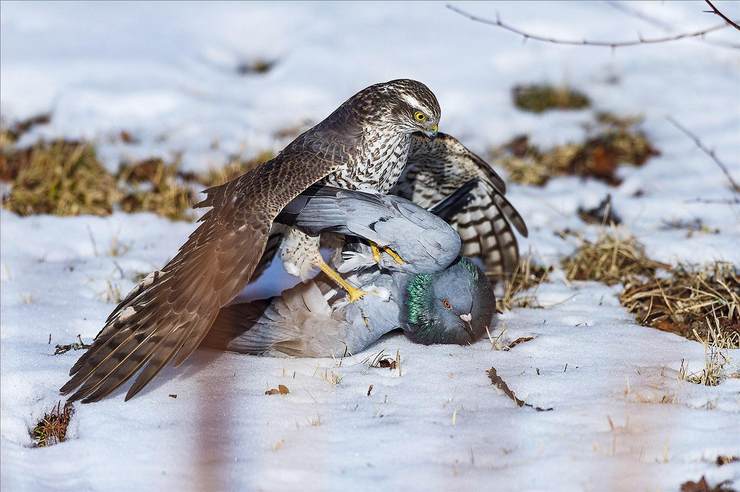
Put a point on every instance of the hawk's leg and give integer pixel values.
(377, 251)
(353, 292)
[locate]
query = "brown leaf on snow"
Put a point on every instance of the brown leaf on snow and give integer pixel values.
(280, 390)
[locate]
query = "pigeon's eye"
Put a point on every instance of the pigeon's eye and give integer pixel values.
(446, 303)
(420, 117)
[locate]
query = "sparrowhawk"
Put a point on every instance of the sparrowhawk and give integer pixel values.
(363, 145)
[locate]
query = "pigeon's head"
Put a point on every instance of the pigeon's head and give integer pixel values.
(455, 305)
(408, 105)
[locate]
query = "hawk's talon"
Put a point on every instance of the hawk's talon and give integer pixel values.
(396, 257)
(385, 249)
(376, 252)
(353, 293)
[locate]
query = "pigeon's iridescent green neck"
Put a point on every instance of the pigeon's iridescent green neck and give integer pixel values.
(419, 290)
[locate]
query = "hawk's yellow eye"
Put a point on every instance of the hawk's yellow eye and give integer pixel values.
(419, 116)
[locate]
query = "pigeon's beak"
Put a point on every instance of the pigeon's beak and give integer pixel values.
(467, 318)
(432, 130)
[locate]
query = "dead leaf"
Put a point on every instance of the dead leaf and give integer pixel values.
(280, 390)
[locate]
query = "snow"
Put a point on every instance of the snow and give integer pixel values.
(166, 73)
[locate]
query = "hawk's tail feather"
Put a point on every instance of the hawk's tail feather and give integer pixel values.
(486, 233)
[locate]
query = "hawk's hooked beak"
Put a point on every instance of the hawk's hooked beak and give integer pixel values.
(431, 132)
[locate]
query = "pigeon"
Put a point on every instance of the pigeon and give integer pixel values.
(436, 297)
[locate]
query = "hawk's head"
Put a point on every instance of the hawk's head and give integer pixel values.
(407, 104)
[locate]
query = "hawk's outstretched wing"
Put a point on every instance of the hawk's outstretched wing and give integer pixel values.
(436, 168)
(168, 314)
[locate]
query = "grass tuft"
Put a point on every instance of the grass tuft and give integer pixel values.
(155, 186)
(235, 167)
(65, 177)
(538, 98)
(526, 276)
(693, 303)
(700, 304)
(61, 177)
(610, 141)
(611, 260)
(52, 428)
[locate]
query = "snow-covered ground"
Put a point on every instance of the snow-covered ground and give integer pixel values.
(166, 73)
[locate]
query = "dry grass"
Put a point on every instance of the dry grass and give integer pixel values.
(611, 260)
(52, 428)
(64, 177)
(715, 343)
(61, 178)
(526, 276)
(537, 98)
(155, 186)
(691, 303)
(9, 134)
(687, 301)
(610, 142)
(235, 167)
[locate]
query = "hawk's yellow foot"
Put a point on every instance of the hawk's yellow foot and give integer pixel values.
(377, 250)
(353, 292)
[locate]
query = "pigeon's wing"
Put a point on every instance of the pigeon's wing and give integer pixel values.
(170, 312)
(436, 168)
(299, 323)
(424, 241)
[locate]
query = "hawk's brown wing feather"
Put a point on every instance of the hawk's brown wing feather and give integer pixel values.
(435, 169)
(169, 313)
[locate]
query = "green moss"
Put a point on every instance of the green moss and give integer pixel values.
(538, 98)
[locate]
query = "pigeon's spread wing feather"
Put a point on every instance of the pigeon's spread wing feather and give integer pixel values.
(436, 168)
(167, 316)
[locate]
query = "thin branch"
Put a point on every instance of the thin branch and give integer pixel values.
(584, 42)
(722, 201)
(664, 26)
(707, 151)
(639, 15)
(716, 11)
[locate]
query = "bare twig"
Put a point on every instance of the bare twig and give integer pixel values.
(639, 15)
(660, 24)
(723, 201)
(584, 42)
(707, 151)
(716, 11)
(501, 384)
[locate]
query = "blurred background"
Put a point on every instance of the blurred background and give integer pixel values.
(114, 116)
